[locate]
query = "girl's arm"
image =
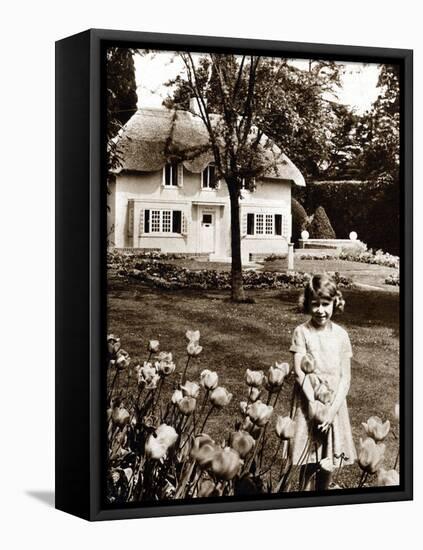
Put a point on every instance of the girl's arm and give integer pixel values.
(301, 378)
(341, 393)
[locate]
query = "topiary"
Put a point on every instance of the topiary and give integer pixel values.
(299, 220)
(320, 227)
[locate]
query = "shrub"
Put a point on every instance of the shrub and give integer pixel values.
(369, 257)
(393, 280)
(320, 227)
(299, 220)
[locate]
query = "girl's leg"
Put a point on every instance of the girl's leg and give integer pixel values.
(307, 477)
(323, 480)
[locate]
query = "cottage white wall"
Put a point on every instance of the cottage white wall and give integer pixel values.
(145, 191)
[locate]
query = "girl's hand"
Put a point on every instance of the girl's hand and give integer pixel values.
(324, 426)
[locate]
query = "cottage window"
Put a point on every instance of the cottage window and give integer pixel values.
(162, 221)
(248, 184)
(171, 175)
(208, 177)
(267, 224)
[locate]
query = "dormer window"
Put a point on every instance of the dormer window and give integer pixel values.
(248, 184)
(172, 175)
(208, 177)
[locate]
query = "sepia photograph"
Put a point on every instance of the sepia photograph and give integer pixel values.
(253, 276)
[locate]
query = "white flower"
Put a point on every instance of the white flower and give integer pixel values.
(193, 349)
(387, 477)
(190, 389)
(209, 380)
(376, 429)
(254, 377)
(220, 397)
(193, 336)
(285, 427)
(157, 445)
(259, 413)
(153, 346)
(327, 464)
(177, 396)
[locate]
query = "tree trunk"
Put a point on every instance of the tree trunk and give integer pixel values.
(238, 294)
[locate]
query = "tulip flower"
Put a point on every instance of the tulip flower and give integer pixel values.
(193, 349)
(153, 346)
(285, 427)
(323, 394)
(152, 384)
(165, 356)
(159, 443)
(206, 489)
(220, 397)
(308, 364)
(259, 413)
(376, 429)
(209, 380)
(327, 464)
(203, 450)
(241, 442)
(251, 428)
(187, 405)
(190, 389)
(120, 416)
(396, 411)
(145, 373)
(243, 405)
(193, 336)
(122, 359)
(165, 368)
(254, 378)
(113, 345)
(387, 477)
(226, 464)
(253, 394)
(176, 396)
(370, 455)
(275, 378)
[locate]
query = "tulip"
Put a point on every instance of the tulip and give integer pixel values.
(376, 428)
(220, 397)
(153, 346)
(259, 413)
(323, 394)
(193, 336)
(284, 367)
(251, 428)
(176, 396)
(165, 356)
(206, 489)
(187, 405)
(254, 377)
(152, 384)
(193, 349)
(285, 427)
(122, 359)
(165, 368)
(327, 464)
(145, 373)
(113, 345)
(397, 411)
(190, 389)
(275, 378)
(159, 443)
(226, 464)
(243, 405)
(318, 412)
(253, 394)
(209, 380)
(387, 477)
(203, 450)
(120, 416)
(370, 455)
(308, 364)
(242, 442)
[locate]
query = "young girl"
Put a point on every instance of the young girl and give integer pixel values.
(322, 354)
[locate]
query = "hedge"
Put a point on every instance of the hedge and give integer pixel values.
(369, 208)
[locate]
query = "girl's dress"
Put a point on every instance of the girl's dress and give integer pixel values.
(328, 346)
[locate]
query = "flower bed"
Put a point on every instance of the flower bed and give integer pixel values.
(170, 276)
(369, 257)
(393, 280)
(159, 447)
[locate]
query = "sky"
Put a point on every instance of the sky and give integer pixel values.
(358, 90)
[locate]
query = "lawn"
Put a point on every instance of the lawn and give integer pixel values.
(240, 336)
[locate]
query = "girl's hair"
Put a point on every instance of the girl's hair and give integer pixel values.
(322, 286)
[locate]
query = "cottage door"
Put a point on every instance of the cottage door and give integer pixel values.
(207, 232)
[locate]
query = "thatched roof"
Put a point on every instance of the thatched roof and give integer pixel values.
(151, 136)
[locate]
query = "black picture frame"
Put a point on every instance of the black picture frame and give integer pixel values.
(81, 272)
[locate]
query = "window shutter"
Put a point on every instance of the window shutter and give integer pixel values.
(244, 224)
(177, 221)
(146, 225)
(250, 224)
(180, 179)
(286, 220)
(184, 224)
(131, 219)
(278, 224)
(202, 178)
(164, 175)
